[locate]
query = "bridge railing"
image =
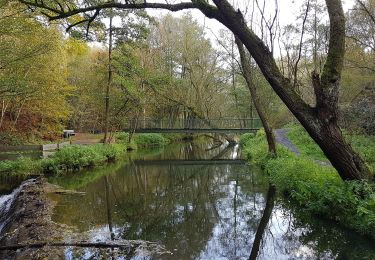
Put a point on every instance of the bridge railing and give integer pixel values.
(225, 123)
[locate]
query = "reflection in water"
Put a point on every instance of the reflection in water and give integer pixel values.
(198, 211)
(263, 222)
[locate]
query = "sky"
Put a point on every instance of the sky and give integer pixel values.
(288, 12)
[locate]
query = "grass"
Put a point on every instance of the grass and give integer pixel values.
(363, 144)
(21, 167)
(316, 189)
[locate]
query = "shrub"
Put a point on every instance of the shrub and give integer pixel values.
(145, 140)
(122, 137)
(20, 167)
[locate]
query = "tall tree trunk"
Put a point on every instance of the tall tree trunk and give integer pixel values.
(106, 116)
(246, 71)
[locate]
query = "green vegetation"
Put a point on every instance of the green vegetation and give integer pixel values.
(21, 167)
(147, 140)
(74, 181)
(363, 144)
(67, 159)
(143, 140)
(314, 188)
(76, 157)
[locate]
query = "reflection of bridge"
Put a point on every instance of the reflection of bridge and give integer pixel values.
(190, 162)
(225, 125)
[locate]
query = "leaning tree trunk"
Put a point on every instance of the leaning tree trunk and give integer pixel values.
(246, 71)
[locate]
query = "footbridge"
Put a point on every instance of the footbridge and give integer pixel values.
(223, 125)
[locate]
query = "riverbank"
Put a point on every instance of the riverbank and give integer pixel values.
(77, 157)
(314, 188)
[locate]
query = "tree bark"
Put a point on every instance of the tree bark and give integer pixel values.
(246, 71)
(106, 115)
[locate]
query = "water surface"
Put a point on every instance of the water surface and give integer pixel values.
(200, 202)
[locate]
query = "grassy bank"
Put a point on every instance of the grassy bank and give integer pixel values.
(67, 159)
(313, 188)
(364, 145)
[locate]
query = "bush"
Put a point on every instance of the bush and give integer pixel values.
(146, 140)
(21, 167)
(10, 139)
(122, 137)
(316, 189)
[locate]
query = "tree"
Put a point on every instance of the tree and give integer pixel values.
(321, 120)
(33, 89)
(246, 68)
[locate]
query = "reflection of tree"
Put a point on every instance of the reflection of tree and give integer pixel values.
(109, 209)
(263, 222)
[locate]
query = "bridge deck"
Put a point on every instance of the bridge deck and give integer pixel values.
(192, 131)
(190, 162)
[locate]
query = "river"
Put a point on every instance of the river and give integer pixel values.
(200, 202)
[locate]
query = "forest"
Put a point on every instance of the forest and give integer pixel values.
(150, 88)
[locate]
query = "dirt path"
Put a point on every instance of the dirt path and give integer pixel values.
(282, 138)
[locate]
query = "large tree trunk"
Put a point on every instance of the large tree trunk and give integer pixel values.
(246, 71)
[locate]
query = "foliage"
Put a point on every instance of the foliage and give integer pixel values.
(67, 159)
(316, 189)
(122, 137)
(33, 87)
(7, 138)
(359, 115)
